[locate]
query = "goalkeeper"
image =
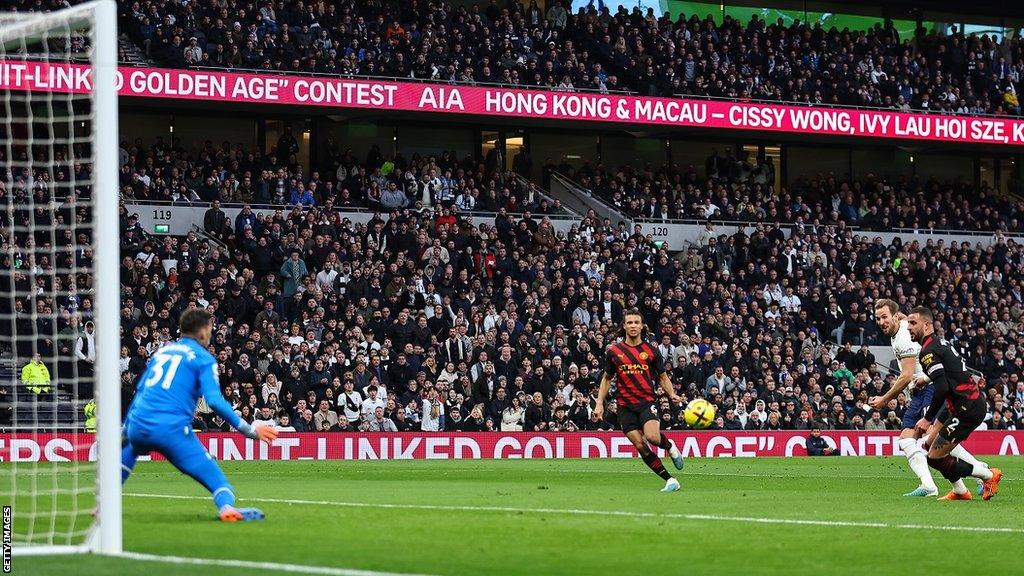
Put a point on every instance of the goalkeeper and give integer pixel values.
(160, 418)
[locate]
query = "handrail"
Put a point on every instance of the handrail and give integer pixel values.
(356, 209)
(208, 237)
(1019, 237)
(618, 214)
(855, 229)
(543, 193)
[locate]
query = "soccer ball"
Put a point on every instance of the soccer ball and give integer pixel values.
(699, 414)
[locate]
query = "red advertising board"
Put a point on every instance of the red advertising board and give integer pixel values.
(339, 92)
(455, 445)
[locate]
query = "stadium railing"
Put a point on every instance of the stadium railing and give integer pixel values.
(947, 235)
(564, 221)
(179, 218)
(546, 195)
(583, 199)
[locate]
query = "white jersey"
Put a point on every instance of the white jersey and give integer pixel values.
(903, 346)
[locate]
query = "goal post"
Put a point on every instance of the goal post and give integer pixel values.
(108, 300)
(60, 288)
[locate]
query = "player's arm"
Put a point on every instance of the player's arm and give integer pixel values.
(666, 384)
(907, 365)
(663, 379)
(602, 393)
(210, 385)
(606, 382)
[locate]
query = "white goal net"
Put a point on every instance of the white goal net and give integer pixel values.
(59, 294)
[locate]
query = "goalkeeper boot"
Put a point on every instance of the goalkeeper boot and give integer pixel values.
(671, 485)
(677, 457)
(232, 514)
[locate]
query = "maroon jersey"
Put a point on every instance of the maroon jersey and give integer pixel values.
(636, 370)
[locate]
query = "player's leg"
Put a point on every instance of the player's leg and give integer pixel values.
(651, 459)
(128, 458)
(908, 442)
(654, 437)
(933, 432)
(952, 468)
(918, 462)
(133, 445)
(632, 428)
(959, 451)
(188, 455)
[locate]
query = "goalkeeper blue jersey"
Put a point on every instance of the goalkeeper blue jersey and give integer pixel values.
(168, 391)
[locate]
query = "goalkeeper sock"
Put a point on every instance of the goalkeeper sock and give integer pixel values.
(918, 463)
(128, 458)
(222, 497)
(654, 463)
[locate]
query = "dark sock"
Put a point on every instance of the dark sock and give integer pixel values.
(654, 463)
(665, 443)
(951, 468)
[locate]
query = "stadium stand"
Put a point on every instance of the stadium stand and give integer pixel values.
(489, 315)
(206, 172)
(734, 189)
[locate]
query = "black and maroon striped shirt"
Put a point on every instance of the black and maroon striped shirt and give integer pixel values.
(636, 370)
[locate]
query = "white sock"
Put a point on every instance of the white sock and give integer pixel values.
(959, 488)
(981, 471)
(918, 462)
(672, 450)
(960, 452)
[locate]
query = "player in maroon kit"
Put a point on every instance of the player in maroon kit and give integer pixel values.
(638, 368)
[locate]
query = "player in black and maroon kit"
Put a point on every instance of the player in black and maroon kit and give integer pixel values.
(638, 368)
(958, 390)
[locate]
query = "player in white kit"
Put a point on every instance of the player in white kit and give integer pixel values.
(894, 325)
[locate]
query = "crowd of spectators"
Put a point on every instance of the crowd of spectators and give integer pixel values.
(732, 188)
(230, 173)
(546, 45)
(418, 319)
(727, 189)
(429, 322)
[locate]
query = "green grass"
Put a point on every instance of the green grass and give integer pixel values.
(429, 526)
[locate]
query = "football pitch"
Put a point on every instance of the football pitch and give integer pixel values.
(529, 517)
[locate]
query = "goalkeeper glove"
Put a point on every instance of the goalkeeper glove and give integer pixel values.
(259, 432)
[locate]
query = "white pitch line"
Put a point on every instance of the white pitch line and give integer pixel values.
(643, 471)
(620, 513)
(271, 566)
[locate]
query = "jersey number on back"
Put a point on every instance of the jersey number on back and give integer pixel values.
(161, 373)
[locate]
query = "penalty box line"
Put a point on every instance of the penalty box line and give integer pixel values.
(618, 513)
(270, 566)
